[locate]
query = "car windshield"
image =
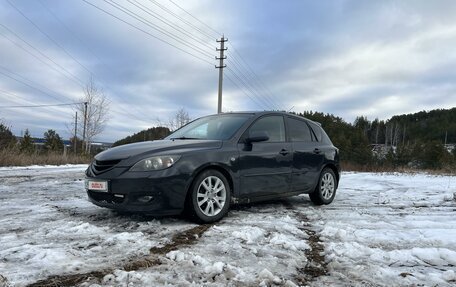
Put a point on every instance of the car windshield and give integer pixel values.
(218, 127)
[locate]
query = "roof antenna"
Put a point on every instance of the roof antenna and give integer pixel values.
(290, 109)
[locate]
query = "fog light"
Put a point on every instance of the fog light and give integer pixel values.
(145, 199)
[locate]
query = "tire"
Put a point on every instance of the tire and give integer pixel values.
(325, 191)
(210, 197)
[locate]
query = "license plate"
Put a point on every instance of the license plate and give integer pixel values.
(97, 185)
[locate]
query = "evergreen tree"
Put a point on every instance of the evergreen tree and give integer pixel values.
(26, 145)
(7, 139)
(53, 142)
(432, 155)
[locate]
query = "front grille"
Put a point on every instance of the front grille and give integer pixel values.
(99, 166)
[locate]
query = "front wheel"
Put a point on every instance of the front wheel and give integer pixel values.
(325, 191)
(210, 197)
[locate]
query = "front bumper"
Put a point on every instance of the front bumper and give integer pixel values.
(155, 193)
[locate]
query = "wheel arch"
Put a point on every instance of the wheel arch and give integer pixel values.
(209, 166)
(334, 169)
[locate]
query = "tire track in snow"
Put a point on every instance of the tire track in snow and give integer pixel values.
(185, 238)
(316, 265)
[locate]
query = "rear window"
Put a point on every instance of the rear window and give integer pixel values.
(298, 131)
(317, 131)
(319, 134)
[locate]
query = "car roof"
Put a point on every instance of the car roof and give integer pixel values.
(260, 113)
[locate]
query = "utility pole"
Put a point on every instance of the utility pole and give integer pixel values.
(220, 67)
(75, 143)
(85, 124)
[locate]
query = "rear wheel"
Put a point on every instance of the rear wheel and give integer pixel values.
(325, 191)
(210, 197)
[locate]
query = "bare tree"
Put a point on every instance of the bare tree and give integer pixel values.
(97, 105)
(180, 119)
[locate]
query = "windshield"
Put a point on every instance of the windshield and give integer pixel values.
(218, 127)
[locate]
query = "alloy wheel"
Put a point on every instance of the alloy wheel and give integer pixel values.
(211, 196)
(327, 186)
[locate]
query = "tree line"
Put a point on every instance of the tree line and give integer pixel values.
(423, 140)
(52, 141)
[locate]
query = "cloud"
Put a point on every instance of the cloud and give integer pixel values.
(349, 58)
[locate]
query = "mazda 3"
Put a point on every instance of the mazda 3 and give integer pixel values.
(216, 161)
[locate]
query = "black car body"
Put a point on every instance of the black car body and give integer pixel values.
(217, 160)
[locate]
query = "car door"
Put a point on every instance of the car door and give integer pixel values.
(265, 167)
(307, 157)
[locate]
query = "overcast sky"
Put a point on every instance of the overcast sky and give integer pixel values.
(347, 58)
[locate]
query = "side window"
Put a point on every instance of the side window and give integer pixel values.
(274, 126)
(298, 131)
(317, 131)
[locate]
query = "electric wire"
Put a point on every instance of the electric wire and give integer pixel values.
(169, 23)
(57, 18)
(157, 28)
(191, 15)
(70, 31)
(30, 86)
(241, 89)
(247, 88)
(74, 79)
(146, 32)
(38, 106)
(267, 94)
(249, 82)
(123, 111)
(49, 37)
(169, 11)
(254, 75)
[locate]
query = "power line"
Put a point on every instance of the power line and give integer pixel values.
(69, 30)
(255, 77)
(49, 37)
(191, 15)
(93, 54)
(147, 33)
(75, 79)
(30, 86)
(167, 10)
(253, 92)
(242, 90)
(38, 106)
(169, 23)
(36, 84)
(249, 82)
(158, 28)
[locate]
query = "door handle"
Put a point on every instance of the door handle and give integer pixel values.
(317, 151)
(284, 152)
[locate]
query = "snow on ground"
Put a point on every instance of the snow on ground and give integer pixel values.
(381, 230)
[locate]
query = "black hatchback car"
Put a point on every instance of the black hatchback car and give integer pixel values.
(217, 160)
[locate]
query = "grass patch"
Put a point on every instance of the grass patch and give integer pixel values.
(12, 157)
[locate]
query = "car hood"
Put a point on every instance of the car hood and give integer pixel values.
(156, 147)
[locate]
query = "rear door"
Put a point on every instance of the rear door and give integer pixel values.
(265, 167)
(307, 157)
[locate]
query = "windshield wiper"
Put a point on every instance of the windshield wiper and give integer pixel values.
(184, 138)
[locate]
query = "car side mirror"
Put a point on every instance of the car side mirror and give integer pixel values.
(257, 136)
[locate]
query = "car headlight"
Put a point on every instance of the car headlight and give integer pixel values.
(155, 163)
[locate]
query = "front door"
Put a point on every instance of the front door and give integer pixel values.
(265, 167)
